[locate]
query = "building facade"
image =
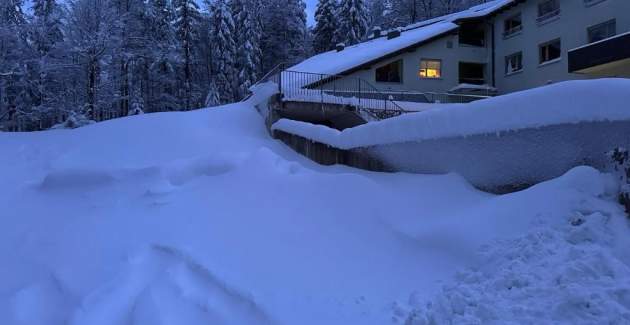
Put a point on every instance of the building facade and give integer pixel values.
(506, 46)
(537, 49)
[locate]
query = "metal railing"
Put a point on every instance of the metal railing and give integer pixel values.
(339, 90)
(365, 98)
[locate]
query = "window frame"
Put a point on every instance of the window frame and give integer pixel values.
(514, 30)
(472, 81)
(545, 44)
(440, 68)
(548, 16)
(483, 41)
(590, 3)
(602, 24)
(399, 63)
(507, 63)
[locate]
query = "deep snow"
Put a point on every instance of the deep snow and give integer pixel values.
(201, 218)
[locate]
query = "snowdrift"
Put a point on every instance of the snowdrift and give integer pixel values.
(201, 218)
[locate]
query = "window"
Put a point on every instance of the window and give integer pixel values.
(472, 73)
(390, 73)
(472, 34)
(602, 31)
(550, 51)
(513, 63)
(512, 25)
(548, 9)
(430, 69)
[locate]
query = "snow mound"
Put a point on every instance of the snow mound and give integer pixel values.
(565, 275)
(567, 272)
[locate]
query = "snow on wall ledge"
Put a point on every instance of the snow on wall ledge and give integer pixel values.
(500, 144)
(562, 103)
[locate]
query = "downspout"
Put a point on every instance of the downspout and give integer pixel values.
(494, 67)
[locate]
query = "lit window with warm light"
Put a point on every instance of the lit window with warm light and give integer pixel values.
(431, 69)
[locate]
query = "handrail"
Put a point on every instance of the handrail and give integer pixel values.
(279, 67)
(337, 89)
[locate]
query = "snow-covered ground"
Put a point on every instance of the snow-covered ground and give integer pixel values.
(202, 218)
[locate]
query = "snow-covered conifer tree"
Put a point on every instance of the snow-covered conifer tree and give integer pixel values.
(164, 57)
(284, 34)
(352, 21)
(187, 19)
(13, 78)
(223, 50)
(45, 35)
(247, 38)
(325, 26)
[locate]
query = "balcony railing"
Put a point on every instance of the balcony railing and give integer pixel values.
(548, 16)
(512, 31)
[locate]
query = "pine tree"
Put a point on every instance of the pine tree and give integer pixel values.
(247, 38)
(11, 12)
(284, 33)
(296, 31)
(352, 21)
(92, 34)
(187, 19)
(46, 31)
(14, 99)
(45, 35)
(325, 26)
(223, 50)
(163, 62)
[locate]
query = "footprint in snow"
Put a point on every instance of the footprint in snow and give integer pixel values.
(163, 285)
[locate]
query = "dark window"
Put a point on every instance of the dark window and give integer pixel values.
(472, 34)
(514, 63)
(390, 73)
(472, 73)
(548, 9)
(602, 31)
(512, 25)
(550, 51)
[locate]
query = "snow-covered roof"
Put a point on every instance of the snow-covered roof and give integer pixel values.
(334, 62)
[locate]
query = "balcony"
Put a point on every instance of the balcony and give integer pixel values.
(609, 57)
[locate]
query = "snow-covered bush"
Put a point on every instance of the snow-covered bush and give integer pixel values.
(621, 161)
(74, 120)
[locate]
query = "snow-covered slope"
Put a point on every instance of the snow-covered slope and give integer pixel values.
(201, 218)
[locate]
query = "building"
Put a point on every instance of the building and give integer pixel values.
(499, 47)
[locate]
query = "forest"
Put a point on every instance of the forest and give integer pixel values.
(69, 63)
